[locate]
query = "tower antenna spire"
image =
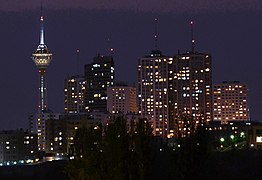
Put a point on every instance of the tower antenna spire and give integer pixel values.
(192, 36)
(42, 38)
(41, 8)
(156, 34)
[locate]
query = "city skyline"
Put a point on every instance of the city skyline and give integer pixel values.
(171, 38)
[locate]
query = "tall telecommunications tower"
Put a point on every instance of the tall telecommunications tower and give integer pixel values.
(42, 58)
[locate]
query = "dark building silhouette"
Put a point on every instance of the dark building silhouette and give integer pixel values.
(60, 132)
(99, 75)
(17, 146)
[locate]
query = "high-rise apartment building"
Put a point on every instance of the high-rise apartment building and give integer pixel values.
(42, 58)
(121, 99)
(191, 91)
(170, 89)
(231, 102)
(99, 75)
(153, 85)
(74, 91)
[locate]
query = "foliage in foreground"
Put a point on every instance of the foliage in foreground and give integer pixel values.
(120, 153)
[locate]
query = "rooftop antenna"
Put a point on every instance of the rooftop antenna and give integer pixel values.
(156, 34)
(110, 49)
(78, 86)
(77, 61)
(192, 36)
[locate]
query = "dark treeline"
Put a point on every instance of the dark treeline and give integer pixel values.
(121, 152)
(115, 152)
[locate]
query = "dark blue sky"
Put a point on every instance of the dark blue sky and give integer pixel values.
(232, 34)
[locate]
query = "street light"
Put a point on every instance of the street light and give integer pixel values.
(242, 134)
(232, 137)
(222, 140)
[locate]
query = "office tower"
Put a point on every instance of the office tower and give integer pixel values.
(99, 75)
(231, 102)
(121, 99)
(153, 85)
(75, 87)
(42, 58)
(192, 91)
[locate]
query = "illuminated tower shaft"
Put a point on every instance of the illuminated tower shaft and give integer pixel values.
(42, 57)
(42, 102)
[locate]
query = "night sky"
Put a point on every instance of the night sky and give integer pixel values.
(230, 30)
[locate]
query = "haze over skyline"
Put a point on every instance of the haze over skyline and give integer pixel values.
(232, 35)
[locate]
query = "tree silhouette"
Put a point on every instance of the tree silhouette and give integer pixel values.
(116, 143)
(193, 152)
(119, 154)
(88, 163)
(141, 150)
